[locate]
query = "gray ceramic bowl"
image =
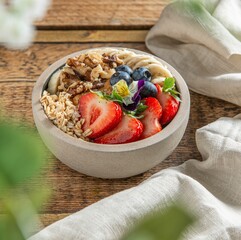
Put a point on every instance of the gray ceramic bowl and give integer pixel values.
(110, 161)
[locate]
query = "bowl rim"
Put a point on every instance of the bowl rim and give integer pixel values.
(38, 111)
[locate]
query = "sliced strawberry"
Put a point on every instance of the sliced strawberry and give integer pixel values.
(128, 130)
(169, 105)
(100, 115)
(151, 117)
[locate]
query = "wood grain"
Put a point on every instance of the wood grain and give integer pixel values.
(104, 14)
(84, 36)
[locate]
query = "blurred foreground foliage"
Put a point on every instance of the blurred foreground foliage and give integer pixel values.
(165, 224)
(21, 158)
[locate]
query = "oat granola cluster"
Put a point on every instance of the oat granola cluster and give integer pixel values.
(64, 114)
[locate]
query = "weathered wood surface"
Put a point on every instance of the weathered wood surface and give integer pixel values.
(87, 36)
(68, 27)
(104, 14)
(72, 191)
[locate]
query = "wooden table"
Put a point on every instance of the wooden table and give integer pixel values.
(71, 26)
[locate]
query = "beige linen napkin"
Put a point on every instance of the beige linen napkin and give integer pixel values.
(203, 44)
(211, 189)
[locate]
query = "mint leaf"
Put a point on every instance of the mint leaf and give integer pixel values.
(169, 84)
(169, 87)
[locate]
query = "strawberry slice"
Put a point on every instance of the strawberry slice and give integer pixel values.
(169, 105)
(100, 115)
(128, 130)
(151, 117)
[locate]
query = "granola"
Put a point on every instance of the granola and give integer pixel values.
(64, 114)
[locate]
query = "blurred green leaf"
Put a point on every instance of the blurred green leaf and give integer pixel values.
(20, 216)
(21, 155)
(38, 196)
(167, 224)
(194, 7)
(9, 228)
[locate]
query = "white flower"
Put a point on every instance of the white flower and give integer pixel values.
(18, 33)
(16, 21)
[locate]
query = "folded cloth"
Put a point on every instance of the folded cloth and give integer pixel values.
(211, 190)
(203, 42)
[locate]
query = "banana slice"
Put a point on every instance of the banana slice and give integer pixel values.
(158, 70)
(133, 61)
(126, 56)
(145, 62)
(53, 83)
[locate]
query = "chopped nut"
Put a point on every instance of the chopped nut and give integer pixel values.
(87, 71)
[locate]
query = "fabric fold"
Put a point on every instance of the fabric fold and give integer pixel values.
(210, 189)
(202, 41)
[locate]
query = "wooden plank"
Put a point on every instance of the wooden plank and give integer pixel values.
(84, 36)
(105, 14)
(30, 63)
(72, 191)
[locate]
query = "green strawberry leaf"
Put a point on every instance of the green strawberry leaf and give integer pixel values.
(139, 116)
(133, 114)
(175, 94)
(141, 108)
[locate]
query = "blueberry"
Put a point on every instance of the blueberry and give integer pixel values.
(116, 77)
(124, 68)
(148, 90)
(141, 73)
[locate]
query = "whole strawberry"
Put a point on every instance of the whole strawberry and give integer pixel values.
(167, 96)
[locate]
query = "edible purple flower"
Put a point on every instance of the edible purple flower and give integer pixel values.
(135, 89)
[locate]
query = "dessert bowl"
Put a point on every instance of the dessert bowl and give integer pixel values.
(110, 160)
